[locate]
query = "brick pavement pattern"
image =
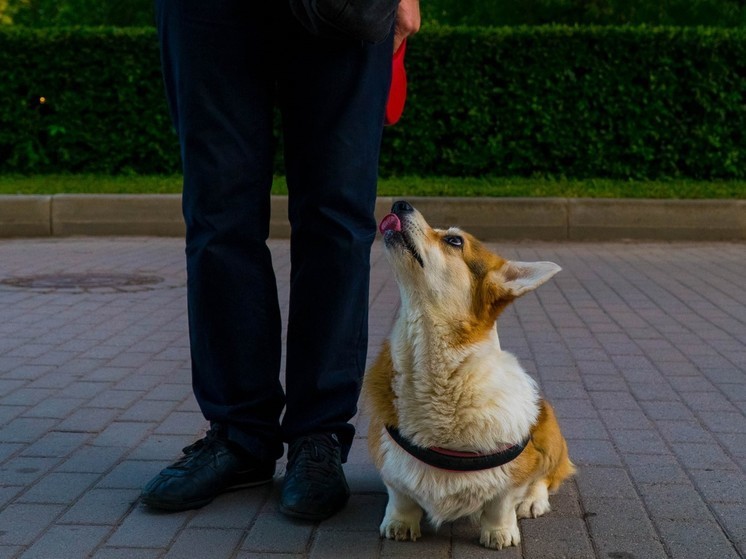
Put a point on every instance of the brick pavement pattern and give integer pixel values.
(640, 347)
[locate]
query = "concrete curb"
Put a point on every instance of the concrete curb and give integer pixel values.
(547, 219)
(25, 216)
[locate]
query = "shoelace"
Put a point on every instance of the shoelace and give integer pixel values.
(315, 456)
(198, 449)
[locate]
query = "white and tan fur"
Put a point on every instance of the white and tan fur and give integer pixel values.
(444, 381)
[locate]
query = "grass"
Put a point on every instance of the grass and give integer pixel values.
(401, 186)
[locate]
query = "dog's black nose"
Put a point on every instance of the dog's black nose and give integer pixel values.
(401, 207)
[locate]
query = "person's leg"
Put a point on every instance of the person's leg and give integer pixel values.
(218, 71)
(218, 68)
(332, 98)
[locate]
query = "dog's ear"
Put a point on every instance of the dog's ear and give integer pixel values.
(522, 277)
(512, 279)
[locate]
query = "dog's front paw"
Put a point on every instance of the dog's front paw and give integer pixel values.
(400, 530)
(505, 536)
(533, 508)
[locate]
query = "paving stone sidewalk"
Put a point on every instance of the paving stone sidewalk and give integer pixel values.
(641, 348)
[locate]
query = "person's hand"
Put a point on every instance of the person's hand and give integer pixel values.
(407, 21)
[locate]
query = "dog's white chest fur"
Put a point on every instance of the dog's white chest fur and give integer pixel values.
(468, 399)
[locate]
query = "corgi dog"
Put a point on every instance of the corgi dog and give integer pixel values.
(458, 428)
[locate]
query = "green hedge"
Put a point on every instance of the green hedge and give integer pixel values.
(580, 102)
(721, 13)
(104, 109)
(575, 101)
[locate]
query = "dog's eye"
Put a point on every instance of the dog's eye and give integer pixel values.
(454, 240)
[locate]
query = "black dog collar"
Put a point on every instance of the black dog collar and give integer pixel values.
(457, 461)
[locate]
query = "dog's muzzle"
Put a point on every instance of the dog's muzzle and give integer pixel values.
(394, 232)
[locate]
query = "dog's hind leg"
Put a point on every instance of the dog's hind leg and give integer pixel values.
(536, 501)
(402, 519)
(499, 523)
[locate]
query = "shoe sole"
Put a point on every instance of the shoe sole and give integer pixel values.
(312, 516)
(305, 516)
(181, 505)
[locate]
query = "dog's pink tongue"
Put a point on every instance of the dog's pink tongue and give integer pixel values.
(390, 223)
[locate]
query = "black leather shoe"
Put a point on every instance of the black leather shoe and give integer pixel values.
(315, 486)
(209, 467)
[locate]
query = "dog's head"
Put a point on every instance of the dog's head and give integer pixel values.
(449, 273)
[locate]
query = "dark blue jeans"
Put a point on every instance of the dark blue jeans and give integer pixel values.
(226, 65)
